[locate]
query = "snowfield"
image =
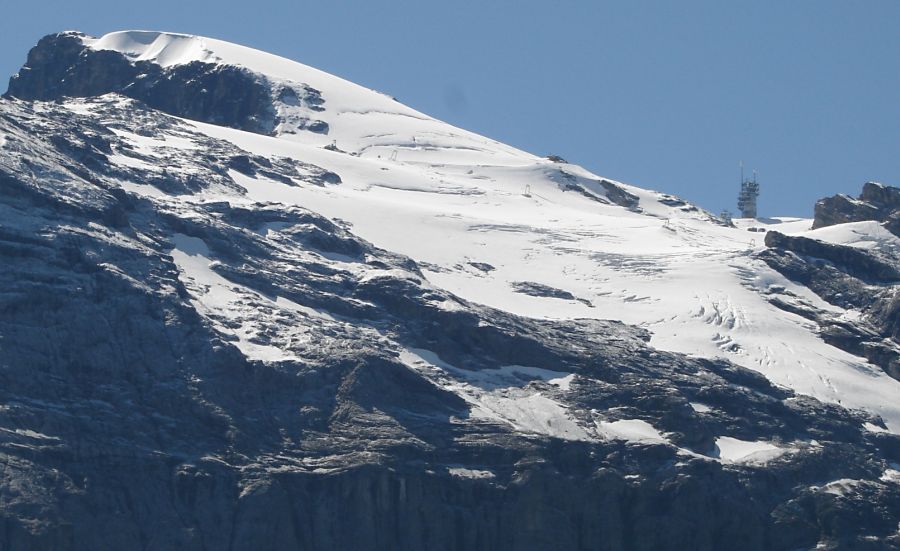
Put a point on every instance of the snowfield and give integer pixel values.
(502, 227)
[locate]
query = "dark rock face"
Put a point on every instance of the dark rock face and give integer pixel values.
(540, 290)
(106, 371)
(850, 278)
(134, 417)
(886, 198)
(62, 66)
(598, 190)
(855, 262)
(618, 195)
(876, 202)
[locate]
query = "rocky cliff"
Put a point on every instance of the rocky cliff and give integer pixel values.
(62, 65)
(863, 279)
(876, 202)
(183, 366)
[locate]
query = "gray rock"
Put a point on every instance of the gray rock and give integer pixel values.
(848, 277)
(876, 202)
(62, 66)
(130, 418)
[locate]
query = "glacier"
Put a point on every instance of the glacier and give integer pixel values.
(274, 289)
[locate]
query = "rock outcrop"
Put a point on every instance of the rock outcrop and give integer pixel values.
(851, 278)
(62, 65)
(876, 202)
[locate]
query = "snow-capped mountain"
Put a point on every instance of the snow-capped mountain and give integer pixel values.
(248, 304)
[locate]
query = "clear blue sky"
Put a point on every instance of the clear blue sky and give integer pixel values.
(661, 94)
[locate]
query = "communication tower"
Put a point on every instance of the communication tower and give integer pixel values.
(748, 195)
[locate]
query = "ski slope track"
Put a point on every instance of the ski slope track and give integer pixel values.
(269, 286)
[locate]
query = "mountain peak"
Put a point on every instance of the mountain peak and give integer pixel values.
(168, 72)
(247, 304)
(221, 83)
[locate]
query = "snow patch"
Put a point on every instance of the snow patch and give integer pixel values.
(311, 312)
(131, 162)
(838, 487)
(891, 475)
(700, 408)
(501, 395)
(734, 450)
(783, 224)
(871, 427)
(868, 234)
(529, 413)
(513, 376)
(270, 229)
(144, 190)
(632, 430)
(563, 383)
(148, 145)
(235, 310)
(462, 472)
(31, 434)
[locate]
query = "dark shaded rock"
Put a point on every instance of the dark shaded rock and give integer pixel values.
(841, 209)
(483, 266)
(892, 224)
(672, 201)
(281, 170)
(62, 66)
(876, 202)
(307, 96)
(618, 195)
(847, 277)
(540, 290)
(596, 189)
(133, 415)
(851, 260)
(885, 198)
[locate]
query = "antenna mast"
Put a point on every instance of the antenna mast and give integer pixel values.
(748, 195)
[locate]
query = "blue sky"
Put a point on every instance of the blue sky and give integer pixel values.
(661, 94)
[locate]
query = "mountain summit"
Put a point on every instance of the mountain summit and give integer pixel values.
(246, 304)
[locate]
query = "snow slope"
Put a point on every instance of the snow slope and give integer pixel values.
(485, 221)
(360, 120)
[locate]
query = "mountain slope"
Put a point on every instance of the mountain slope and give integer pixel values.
(312, 317)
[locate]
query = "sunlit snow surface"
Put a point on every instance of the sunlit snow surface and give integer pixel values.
(481, 217)
(165, 49)
(234, 309)
(741, 451)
